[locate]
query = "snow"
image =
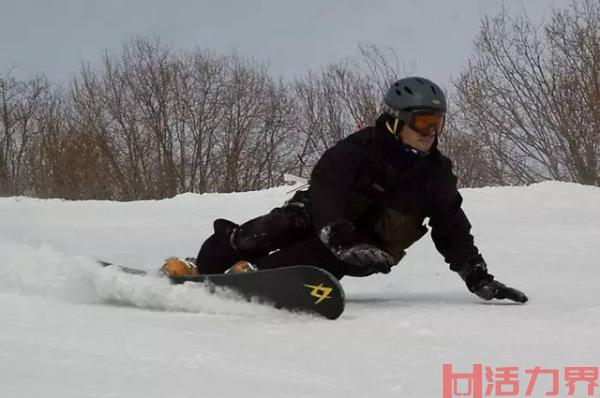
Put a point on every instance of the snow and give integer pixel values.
(71, 329)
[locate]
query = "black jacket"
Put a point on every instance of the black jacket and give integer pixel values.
(388, 190)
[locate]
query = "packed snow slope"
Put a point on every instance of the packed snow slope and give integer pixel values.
(71, 329)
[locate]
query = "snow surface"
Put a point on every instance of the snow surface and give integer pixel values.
(71, 329)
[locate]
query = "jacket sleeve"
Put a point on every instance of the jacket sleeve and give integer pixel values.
(450, 227)
(331, 182)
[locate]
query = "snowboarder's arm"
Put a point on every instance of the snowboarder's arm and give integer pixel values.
(481, 283)
(451, 233)
(348, 245)
(331, 185)
(452, 237)
(450, 227)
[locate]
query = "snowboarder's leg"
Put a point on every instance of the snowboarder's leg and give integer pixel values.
(216, 254)
(308, 252)
(281, 227)
(252, 240)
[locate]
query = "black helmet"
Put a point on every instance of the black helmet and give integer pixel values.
(413, 93)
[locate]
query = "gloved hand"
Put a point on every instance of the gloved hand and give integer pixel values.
(478, 281)
(346, 244)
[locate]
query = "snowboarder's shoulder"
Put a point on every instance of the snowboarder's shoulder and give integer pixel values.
(356, 143)
(441, 169)
(360, 137)
(441, 161)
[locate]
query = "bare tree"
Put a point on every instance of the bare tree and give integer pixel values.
(152, 122)
(340, 99)
(199, 111)
(20, 106)
(254, 127)
(469, 156)
(176, 122)
(531, 96)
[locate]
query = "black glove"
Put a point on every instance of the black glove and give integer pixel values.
(346, 244)
(478, 281)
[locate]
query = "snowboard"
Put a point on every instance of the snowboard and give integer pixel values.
(296, 288)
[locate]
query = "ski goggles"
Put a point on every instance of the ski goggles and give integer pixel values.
(425, 122)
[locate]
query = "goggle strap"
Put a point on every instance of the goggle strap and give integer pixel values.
(391, 129)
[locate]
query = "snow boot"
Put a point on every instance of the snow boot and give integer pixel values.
(241, 266)
(175, 266)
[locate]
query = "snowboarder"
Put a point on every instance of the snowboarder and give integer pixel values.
(368, 198)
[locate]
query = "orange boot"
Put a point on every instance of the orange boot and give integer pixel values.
(241, 266)
(174, 266)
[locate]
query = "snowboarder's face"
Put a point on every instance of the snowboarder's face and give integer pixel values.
(419, 141)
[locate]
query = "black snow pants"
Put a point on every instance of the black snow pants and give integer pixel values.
(281, 238)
